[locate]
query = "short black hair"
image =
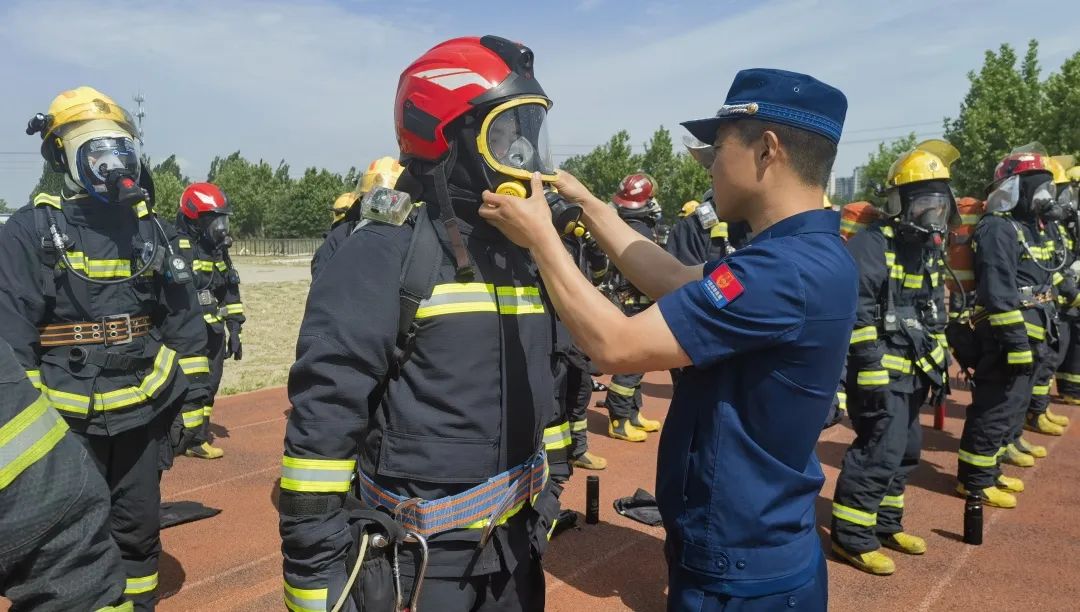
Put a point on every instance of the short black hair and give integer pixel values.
(812, 155)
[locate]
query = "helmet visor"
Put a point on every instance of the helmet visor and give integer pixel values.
(99, 157)
(930, 211)
(516, 141)
(703, 154)
(1067, 197)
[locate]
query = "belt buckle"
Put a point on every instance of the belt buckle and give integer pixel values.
(108, 332)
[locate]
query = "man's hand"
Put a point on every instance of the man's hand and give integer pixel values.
(571, 188)
(525, 222)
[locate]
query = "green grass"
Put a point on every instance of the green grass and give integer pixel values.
(274, 312)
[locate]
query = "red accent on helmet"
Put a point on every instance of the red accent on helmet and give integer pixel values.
(635, 191)
(201, 198)
(1020, 163)
(452, 79)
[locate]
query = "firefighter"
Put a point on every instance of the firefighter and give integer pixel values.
(573, 382)
(1068, 374)
(896, 356)
(1059, 245)
(1013, 311)
(699, 236)
(430, 402)
(49, 489)
(636, 204)
(98, 305)
(203, 225)
(382, 172)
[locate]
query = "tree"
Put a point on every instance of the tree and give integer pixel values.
(250, 188)
(50, 182)
(877, 166)
(305, 210)
(169, 184)
(1059, 123)
(602, 168)
(4, 209)
(998, 113)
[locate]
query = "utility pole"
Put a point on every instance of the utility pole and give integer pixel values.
(140, 113)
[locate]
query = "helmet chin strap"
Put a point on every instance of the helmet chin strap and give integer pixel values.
(463, 268)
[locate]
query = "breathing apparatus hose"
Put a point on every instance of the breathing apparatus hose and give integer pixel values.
(353, 575)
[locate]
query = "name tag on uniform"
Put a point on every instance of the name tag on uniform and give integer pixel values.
(205, 297)
(721, 286)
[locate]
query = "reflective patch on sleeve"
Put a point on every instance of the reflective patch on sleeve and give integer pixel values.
(721, 287)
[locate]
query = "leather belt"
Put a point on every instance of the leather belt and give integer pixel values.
(110, 331)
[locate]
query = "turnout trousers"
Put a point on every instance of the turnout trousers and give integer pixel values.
(999, 402)
(129, 463)
(624, 395)
(1068, 372)
(869, 498)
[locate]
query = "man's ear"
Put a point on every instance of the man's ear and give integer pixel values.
(769, 147)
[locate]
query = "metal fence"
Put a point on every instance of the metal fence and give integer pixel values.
(281, 247)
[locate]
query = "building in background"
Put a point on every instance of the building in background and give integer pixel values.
(844, 189)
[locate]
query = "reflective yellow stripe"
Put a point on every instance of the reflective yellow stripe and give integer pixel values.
(1035, 331)
(220, 265)
(872, 378)
(893, 501)
(193, 418)
(841, 400)
(519, 300)
(207, 411)
(305, 600)
(890, 258)
(864, 334)
(147, 389)
(457, 298)
(1012, 317)
(211, 318)
(935, 279)
(1040, 390)
(913, 281)
(98, 268)
(887, 231)
(35, 377)
(969, 219)
(852, 515)
(1019, 357)
(942, 340)
(141, 584)
(234, 309)
(185, 243)
(1057, 279)
(720, 230)
(621, 390)
(316, 475)
(557, 437)
(847, 226)
(482, 523)
(28, 437)
(579, 425)
(201, 265)
(978, 460)
(195, 365)
(896, 363)
(1067, 377)
(47, 200)
(897, 272)
(141, 210)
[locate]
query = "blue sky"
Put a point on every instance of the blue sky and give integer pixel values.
(313, 82)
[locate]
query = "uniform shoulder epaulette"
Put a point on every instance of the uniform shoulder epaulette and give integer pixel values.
(44, 199)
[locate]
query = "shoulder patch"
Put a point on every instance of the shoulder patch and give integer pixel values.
(721, 287)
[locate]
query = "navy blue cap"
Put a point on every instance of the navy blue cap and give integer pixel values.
(778, 96)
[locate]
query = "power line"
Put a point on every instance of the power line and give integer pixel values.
(892, 127)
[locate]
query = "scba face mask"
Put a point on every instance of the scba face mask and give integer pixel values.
(216, 231)
(105, 160)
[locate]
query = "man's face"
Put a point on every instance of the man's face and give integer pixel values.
(734, 175)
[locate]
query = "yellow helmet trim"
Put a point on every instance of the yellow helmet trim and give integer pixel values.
(382, 172)
(342, 205)
(86, 104)
(928, 161)
(481, 139)
(1057, 165)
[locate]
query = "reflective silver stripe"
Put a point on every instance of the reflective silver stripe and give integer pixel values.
(28, 437)
(193, 418)
(141, 584)
(557, 437)
(305, 600)
(579, 425)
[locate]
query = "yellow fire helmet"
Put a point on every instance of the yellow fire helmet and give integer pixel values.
(928, 161)
(76, 116)
(382, 172)
(342, 205)
(689, 208)
(1058, 164)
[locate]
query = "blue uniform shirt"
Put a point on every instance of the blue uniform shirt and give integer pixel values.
(767, 330)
